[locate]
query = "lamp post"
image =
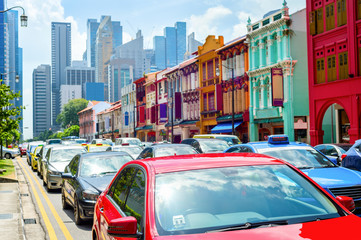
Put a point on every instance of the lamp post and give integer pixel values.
(23, 17)
(217, 73)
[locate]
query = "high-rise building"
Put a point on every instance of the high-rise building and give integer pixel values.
(159, 52)
(2, 39)
(169, 49)
(60, 59)
(181, 30)
(193, 44)
(41, 99)
(12, 74)
(69, 92)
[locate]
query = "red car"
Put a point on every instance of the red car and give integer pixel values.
(22, 151)
(220, 196)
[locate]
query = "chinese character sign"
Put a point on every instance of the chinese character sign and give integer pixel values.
(277, 87)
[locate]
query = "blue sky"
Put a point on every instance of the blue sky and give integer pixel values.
(204, 17)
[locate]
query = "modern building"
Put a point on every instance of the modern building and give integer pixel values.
(88, 119)
(60, 59)
(159, 52)
(92, 28)
(69, 92)
(2, 37)
(193, 44)
(41, 99)
(181, 34)
(235, 88)
(12, 74)
(121, 74)
(210, 88)
(278, 86)
(334, 70)
(91, 91)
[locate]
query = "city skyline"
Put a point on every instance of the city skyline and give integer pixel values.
(207, 18)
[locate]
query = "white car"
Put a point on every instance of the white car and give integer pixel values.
(10, 152)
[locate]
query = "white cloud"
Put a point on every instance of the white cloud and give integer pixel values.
(241, 28)
(209, 22)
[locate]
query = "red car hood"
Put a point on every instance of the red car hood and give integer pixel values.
(338, 228)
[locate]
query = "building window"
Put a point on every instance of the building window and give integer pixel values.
(320, 70)
(343, 65)
(204, 71)
(211, 104)
(210, 69)
(358, 9)
(205, 102)
(330, 17)
(319, 27)
(341, 12)
(331, 68)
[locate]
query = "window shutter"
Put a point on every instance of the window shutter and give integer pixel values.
(358, 9)
(178, 105)
(141, 114)
(152, 114)
(319, 15)
(219, 97)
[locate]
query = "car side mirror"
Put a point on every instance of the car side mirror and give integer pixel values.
(347, 202)
(125, 227)
(38, 155)
(67, 176)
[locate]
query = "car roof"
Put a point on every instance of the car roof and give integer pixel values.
(215, 135)
(265, 144)
(168, 145)
(66, 147)
(209, 160)
(107, 153)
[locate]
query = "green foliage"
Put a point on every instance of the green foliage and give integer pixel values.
(69, 115)
(44, 135)
(72, 131)
(9, 115)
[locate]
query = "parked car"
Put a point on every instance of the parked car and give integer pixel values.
(219, 196)
(160, 150)
(132, 150)
(352, 158)
(334, 179)
(147, 144)
(130, 141)
(9, 153)
(22, 149)
(334, 151)
(54, 141)
(85, 177)
(102, 141)
(42, 158)
(99, 147)
(57, 158)
(207, 145)
(35, 157)
(30, 147)
(30, 156)
(230, 139)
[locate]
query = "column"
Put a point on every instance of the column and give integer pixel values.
(250, 56)
(224, 70)
(253, 130)
(238, 65)
(261, 57)
(253, 56)
(279, 49)
(285, 47)
(269, 44)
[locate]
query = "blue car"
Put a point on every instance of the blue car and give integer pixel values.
(352, 158)
(334, 179)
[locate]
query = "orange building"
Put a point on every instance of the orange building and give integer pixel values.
(210, 88)
(234, 59)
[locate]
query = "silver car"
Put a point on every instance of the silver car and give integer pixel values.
(10, 152)
(57, 158)
(132, 150)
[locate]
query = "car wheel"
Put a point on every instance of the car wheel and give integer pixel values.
(48, 189)
(77, 218)
(64, 204)
(7, 155)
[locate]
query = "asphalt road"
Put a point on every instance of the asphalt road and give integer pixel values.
(57, 223)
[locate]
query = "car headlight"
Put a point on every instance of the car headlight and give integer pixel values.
(90, 195)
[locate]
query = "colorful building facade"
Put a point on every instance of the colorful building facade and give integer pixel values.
(334, 63)
(235, 88)
(277, 95)
(210, 88)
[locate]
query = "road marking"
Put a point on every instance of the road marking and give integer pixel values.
(48, 225)
(62, 226)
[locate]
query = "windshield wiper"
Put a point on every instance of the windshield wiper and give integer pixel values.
(248, 225)
(306, 167)
(104, 173)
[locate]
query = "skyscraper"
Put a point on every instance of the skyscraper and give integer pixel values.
(193, 43)
(60, 59)
(170, 35)
(159, 52)
(41, 99)
(2, 39)
(181, 29)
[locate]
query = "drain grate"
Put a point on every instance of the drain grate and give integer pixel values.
(6, 216)
(24, 194)
(29, 221)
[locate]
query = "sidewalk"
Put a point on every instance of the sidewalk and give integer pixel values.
(18, 217)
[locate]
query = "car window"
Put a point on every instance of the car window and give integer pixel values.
(119, 190)
(331, 151)
(64, 155)
(321, 148)
(74, 165)
(147, 153)
(176, 150)
(135, 200)
(213, 145)
(48, 154)
(234, 150)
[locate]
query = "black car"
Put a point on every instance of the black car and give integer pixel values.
(334, 151)
(161, 150)
(85, 177)
(207, 145)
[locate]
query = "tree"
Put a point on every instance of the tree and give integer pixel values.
(71, 131)
(9, 115)
(69, 115)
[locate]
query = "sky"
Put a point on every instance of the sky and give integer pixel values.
(204, 17)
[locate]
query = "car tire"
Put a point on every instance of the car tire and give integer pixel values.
(77, 218)
(7, 155)
(64, 204)
(48, 189)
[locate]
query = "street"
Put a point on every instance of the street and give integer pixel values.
(57, 223)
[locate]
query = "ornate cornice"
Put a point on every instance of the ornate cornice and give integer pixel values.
(268, 28)
(285, 65)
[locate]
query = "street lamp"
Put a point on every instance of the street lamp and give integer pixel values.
(23, 17)
(217, 73)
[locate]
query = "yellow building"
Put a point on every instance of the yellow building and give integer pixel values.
(210, 89)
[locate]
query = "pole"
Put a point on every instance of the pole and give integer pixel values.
(233, 133)
(134, 132)
(172, 113)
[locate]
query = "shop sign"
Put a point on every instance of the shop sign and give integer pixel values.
(277, 87)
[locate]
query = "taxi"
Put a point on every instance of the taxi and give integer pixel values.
(99, 147)
(334, 179)
(219, 196)
(34, 157)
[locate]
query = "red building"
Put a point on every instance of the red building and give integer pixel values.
(141, 107)
(334, 60)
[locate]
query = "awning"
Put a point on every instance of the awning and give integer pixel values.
(225, 127)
